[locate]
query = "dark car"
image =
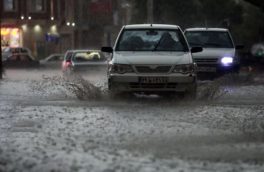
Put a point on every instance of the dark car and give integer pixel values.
(20, 61)
(8, 51)
(75, 60)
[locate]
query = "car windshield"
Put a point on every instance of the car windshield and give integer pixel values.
(151, 40)
(210, 39)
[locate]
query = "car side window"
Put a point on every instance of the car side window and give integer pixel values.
(23, 50)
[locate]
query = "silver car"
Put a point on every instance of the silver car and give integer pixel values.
(151, 58)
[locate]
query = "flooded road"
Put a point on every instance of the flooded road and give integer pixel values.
(46, 127)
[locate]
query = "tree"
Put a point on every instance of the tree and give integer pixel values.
(189, 13)
(257, 3)
(244, 20)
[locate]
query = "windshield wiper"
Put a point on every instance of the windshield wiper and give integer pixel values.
(157, 45)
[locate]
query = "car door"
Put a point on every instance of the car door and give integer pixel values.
(54, 61)
(12, 61)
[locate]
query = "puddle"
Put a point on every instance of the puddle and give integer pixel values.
(25, 126)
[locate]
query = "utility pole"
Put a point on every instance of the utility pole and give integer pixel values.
(150, 6)
(1, 64)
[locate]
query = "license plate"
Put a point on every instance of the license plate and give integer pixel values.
(206, 69)
(153, 80)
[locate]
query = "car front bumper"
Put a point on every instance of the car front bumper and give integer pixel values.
(132, 82)
(217, 68)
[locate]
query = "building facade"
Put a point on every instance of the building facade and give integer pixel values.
(30, 23)
(54, 26)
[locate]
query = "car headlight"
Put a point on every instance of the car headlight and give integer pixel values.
(120, 68)
(227, 61)
(187, 68)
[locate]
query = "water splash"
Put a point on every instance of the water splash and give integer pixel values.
(67, 85)
(220, 86)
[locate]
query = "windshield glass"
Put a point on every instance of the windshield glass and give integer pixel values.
(210, 39)
(152, 40)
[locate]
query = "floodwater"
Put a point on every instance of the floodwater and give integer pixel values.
(50, 122)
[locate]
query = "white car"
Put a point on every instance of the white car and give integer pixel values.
(151, 58)
(219, 52)
(53, 60)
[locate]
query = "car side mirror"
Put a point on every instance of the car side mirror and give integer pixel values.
(196, 49)
(239, 47)
(107, 49)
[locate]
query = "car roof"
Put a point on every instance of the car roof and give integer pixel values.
(150, 26)
(207, 29)
(85, 50)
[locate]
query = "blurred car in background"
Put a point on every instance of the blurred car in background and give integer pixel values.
(83, 59)
(219, 53)
(52, 61)
(66, 63)
(8, 51)
(20, 60)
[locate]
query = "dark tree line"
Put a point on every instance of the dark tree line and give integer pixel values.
(258, 3)
(243, 19)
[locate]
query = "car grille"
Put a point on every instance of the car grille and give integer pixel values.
(206, 61)
(153, 86)
(153, 69)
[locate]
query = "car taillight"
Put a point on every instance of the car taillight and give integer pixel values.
(66, 64)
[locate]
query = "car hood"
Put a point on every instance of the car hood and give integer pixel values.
(160, 58)
(215, 53)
